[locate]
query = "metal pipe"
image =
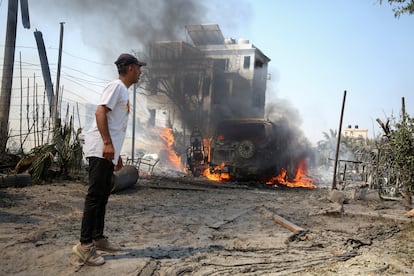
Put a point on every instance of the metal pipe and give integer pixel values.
(133, 122)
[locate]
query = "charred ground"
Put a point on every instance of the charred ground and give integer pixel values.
(188, 226)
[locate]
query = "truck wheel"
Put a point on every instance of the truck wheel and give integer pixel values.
(246, 149)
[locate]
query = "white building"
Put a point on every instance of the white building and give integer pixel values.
(356, 132)
(207, 80)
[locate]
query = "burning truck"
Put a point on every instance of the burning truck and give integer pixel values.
(254, 149)
(245, 149)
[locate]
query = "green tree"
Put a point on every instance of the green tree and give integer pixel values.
(326, 147)
(400, 7)
(402, 146)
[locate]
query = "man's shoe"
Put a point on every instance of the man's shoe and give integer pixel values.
(104, 244)
(88, 254)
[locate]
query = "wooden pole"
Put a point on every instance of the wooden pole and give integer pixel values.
(338, 142)
(7, 79)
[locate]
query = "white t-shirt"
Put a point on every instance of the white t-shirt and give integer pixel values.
(114, 96)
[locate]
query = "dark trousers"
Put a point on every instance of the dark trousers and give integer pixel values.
(100, 185)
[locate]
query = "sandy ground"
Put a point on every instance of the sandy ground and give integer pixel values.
(187, 226)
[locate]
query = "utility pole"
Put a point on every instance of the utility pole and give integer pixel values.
(56, 117)
(338, 142)
(7, 80)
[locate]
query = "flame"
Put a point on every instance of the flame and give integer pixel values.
(300, 179)
(216, 176)
(173, 159)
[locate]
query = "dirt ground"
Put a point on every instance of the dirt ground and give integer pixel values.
(186, 226)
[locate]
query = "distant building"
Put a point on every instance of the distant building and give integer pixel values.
(356, 132)
(210, 79)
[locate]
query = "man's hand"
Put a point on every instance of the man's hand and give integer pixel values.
(102, 124)
(108, 151)
(119, 165)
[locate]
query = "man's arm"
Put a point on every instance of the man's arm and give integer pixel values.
(102, 124)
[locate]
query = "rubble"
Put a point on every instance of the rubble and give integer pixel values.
(164, 227)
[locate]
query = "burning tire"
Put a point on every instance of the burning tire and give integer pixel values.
(246, 149)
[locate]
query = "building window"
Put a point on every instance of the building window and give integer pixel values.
(258, 64)
(221, 64)
(151, 120)
(246, 63)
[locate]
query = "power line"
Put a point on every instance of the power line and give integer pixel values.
(88, 60)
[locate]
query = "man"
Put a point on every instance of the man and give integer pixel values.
(102, 148)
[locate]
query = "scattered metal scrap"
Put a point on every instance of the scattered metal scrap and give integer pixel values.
(197, 157)
(144, 162)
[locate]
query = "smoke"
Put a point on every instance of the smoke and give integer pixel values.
(287, 119)
(112, 27)
(281, 109)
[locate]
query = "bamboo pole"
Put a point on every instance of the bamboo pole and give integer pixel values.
(27, 107)
(43, 116)
(21, 103)
(34, 113)
(37, 116)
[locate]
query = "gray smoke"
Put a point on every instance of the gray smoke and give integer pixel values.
(114, 26)
(287, 119)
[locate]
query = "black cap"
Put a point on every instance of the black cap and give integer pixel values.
(127, 59)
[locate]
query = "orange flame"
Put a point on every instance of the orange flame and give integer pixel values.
(216, 176)
(300, 179)
(173, 159)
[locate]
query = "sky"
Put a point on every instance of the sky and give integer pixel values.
(318, 49)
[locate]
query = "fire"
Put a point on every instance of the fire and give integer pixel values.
(215, 176)
(300, 179)
(173, 159)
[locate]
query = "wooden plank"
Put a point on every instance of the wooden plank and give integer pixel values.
(280, 220)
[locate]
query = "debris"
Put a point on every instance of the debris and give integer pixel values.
(410, 213)
(150, 268)
(299, 236)
(15, 180)
(280, 220)
(366, 194)
(336, 196)
(124, 178)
